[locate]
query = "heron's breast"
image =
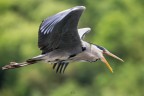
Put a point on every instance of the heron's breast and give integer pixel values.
(84, 56)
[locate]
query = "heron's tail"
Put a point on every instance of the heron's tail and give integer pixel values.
(14, 65)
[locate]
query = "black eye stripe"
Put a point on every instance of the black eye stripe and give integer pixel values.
(100, 47)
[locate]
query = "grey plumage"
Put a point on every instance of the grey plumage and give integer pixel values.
(61, 42)
(60, 31)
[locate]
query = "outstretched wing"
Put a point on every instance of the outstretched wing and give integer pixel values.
(83, 31)
(60, 31)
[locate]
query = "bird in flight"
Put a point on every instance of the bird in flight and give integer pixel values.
(61, 42)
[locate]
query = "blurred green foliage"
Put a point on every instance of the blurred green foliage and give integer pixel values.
(118, 25)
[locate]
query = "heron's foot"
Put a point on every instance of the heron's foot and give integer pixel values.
(13, 65)
(61, 66)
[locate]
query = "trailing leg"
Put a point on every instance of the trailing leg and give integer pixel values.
(14, 65)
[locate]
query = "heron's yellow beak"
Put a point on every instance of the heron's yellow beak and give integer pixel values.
(112, 55)
(105, 61)
(107, 64)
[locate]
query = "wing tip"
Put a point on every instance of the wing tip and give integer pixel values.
(79, 8)
(87, 29)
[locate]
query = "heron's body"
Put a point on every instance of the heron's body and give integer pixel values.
(88, 54)
(61, 42)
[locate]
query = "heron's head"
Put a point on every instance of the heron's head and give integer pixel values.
(102, 58)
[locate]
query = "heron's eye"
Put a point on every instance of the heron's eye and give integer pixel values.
(104, 50)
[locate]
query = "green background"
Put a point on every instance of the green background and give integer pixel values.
(118, 25)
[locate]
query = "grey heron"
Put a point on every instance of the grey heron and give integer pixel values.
(61, 42)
